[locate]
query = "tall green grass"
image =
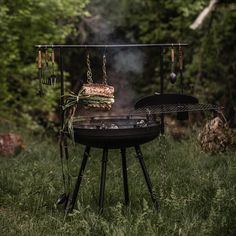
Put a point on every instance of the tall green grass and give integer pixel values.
(196, 191)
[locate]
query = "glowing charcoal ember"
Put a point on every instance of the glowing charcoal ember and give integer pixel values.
(114, 126)
(141, 123)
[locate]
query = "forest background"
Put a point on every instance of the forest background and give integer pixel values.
(210, 64)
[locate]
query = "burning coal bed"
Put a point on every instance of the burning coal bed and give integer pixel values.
(116, 125)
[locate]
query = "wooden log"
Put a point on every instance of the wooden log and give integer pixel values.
(10, 144)
(203, 15)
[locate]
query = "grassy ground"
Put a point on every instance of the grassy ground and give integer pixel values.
(197, 192)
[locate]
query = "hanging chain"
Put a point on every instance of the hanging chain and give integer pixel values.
(104, 70)
(89, 71)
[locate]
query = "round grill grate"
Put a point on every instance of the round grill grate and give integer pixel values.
(172, 108)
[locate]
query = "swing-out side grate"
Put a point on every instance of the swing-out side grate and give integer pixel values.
(173, 108)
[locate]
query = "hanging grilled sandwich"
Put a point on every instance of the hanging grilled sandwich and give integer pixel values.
(100, 96)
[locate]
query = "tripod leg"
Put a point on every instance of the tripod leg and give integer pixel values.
(125, 176)
(103, 179)
(71, 202)
(146, 176)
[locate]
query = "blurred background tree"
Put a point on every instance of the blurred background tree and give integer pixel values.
(23, 24)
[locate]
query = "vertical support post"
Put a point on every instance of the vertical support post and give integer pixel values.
(146, 176)
(125, 176)
(71, 202)
(62, 88)
(162, 87)
(62, 137)
(61, 114)
(103, 179)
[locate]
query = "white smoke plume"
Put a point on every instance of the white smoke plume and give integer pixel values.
(126, 61)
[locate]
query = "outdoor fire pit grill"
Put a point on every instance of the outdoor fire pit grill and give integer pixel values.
(143, 124)
(114, 132)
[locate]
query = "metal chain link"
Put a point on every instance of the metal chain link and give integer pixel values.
(89, 71)
(104, 70)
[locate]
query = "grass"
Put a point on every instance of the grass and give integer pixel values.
(196, 191)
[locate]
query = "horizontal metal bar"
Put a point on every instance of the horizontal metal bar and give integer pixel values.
(114, 45)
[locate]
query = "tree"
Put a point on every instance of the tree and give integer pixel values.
(209, 73)
(214, 63)
(23, 24)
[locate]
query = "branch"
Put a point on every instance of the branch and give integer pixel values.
(202, 16)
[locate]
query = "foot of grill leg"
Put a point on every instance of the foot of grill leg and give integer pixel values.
(72, 200)
(125, 176)
(103, 179)
(146, 176)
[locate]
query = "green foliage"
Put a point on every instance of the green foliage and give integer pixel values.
(211, 56)
(214, 59)
(24, 24)
(210, 59)
(196, 192)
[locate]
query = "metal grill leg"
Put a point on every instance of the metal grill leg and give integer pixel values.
(125, 176)
(103, 179)
(71, 202)
(146, 176)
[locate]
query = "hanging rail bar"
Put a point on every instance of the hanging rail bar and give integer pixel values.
(114, 45)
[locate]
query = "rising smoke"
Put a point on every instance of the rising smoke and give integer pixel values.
(129, 61)
(125, 64)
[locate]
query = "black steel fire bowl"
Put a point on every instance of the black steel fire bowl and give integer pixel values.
(115, 132)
